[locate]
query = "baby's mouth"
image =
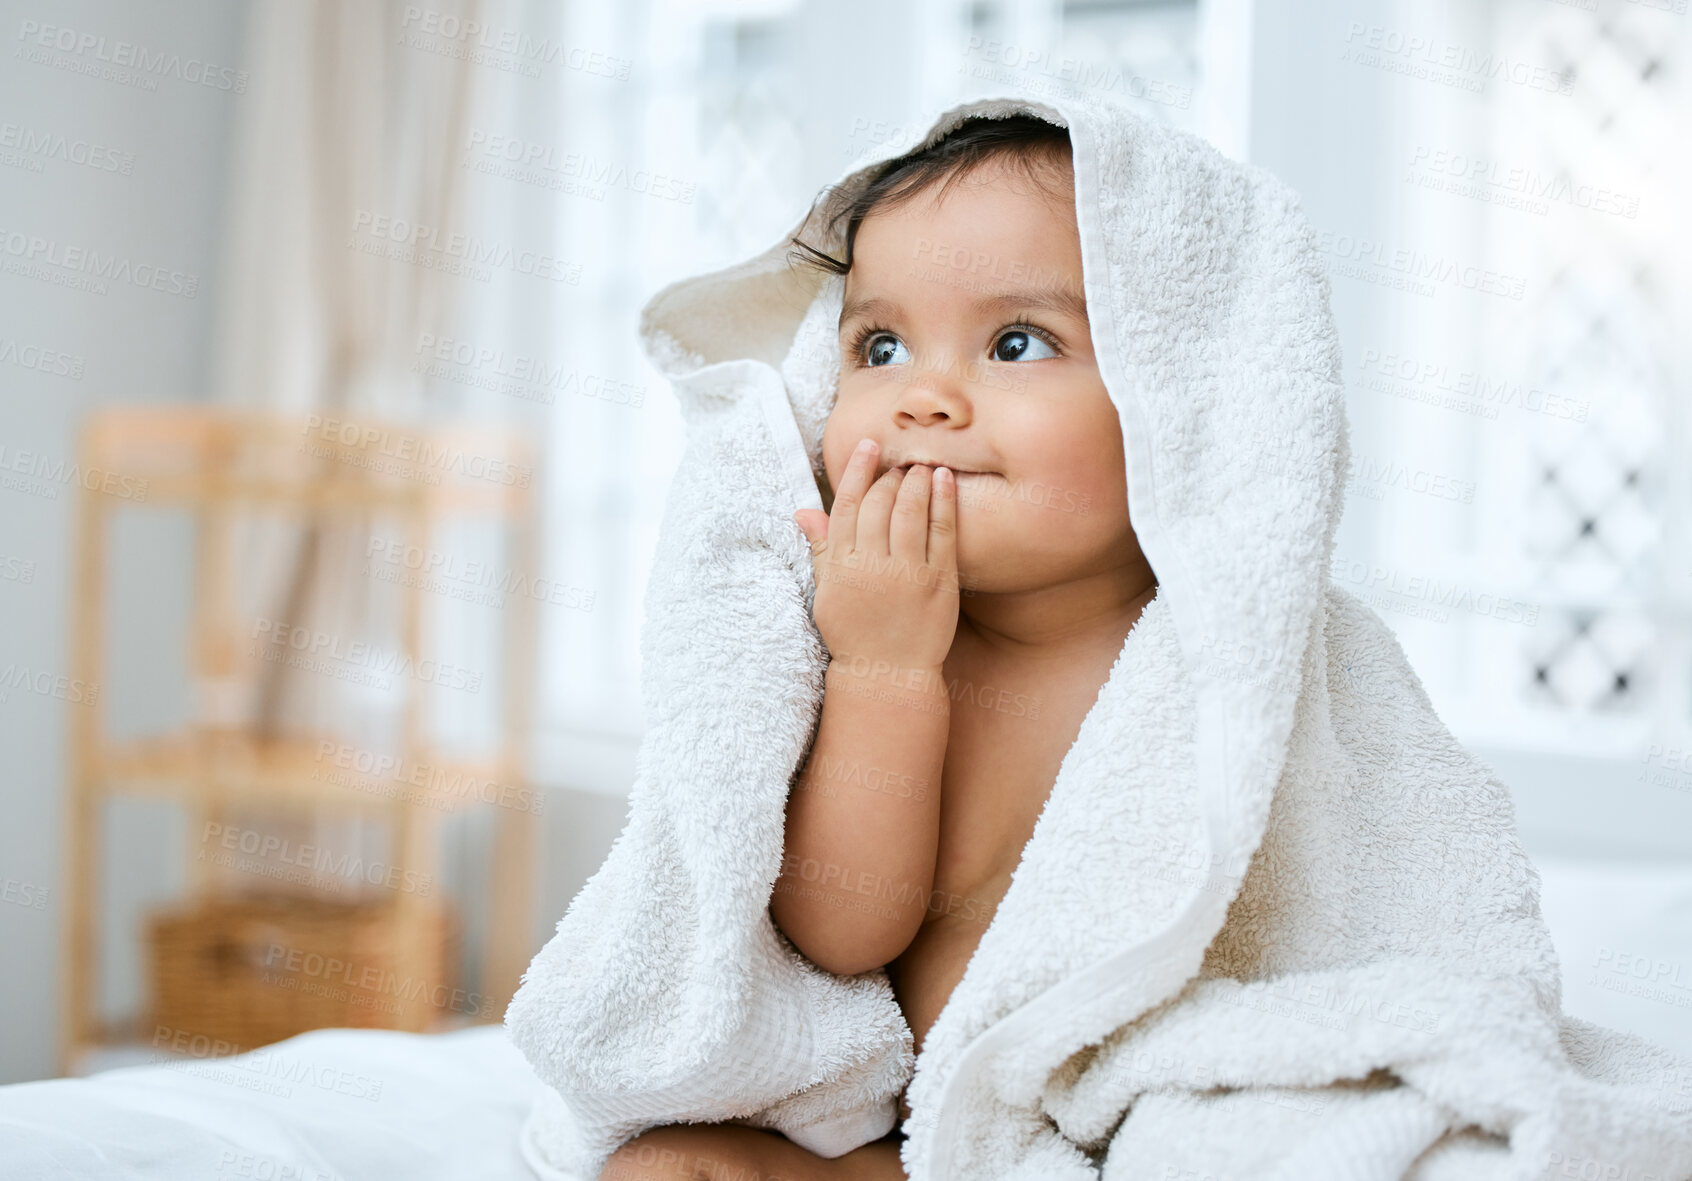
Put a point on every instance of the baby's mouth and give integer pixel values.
(956, 471)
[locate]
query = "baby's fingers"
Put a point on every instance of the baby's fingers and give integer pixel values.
(813, 523)
(943, 521)
(875, 514)
(907, 532)
(859, 472)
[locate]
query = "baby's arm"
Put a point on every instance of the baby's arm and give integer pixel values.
(863, 821)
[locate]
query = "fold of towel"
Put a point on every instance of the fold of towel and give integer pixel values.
(1274, 921)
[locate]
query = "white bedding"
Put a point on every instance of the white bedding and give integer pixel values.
(450, 1105)
(1624, 937)
(331, 1105)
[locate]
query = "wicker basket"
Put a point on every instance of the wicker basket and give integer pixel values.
(251, 971)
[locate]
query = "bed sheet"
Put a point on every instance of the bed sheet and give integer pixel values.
(372, 1105)
(330, 1105)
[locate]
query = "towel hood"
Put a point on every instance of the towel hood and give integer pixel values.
(1211, 325)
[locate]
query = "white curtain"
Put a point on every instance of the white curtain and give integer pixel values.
(349, 132)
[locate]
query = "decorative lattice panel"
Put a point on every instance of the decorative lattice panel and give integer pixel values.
(1598, 334)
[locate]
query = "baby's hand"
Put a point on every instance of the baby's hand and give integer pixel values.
(886, 564)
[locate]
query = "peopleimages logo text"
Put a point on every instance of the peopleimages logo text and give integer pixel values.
(434, 242)
(129, 56)
(418, 451)
(349, 866)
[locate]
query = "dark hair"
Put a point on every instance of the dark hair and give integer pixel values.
(1032, 143)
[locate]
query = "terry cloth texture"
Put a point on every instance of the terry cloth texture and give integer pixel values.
(1274, 921)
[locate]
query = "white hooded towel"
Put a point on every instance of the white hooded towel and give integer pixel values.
(1273, 921)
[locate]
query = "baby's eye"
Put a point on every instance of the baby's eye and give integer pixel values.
(885, 350)
(1015, 345)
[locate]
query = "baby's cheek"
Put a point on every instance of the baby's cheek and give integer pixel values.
(1054, 499)
(837, 449)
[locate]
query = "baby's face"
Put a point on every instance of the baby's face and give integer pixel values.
(976, 354)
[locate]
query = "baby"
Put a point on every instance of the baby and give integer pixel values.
(977, 575)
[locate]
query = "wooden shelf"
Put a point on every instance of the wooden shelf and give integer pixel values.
(308, 772)
(227, 469)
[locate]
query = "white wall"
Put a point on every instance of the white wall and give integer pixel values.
(162, 207)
